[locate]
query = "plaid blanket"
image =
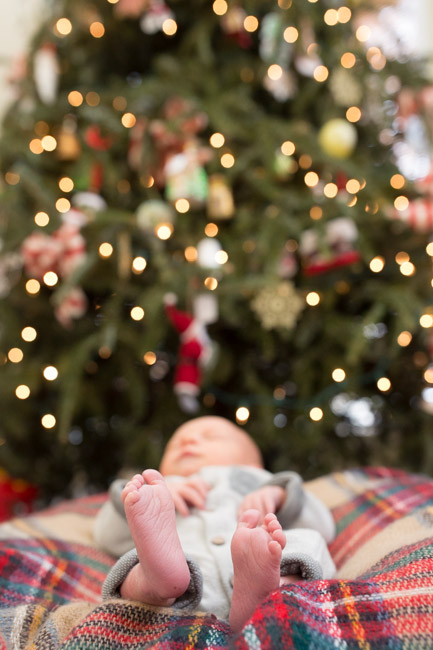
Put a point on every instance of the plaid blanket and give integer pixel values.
(51, 574)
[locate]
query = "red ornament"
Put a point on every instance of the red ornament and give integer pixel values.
(193, 353)
(16, 496)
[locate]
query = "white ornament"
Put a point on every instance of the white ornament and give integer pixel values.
(46, 73)
(207, 250)
(205, 307)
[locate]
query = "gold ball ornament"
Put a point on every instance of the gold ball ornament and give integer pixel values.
(338, 138)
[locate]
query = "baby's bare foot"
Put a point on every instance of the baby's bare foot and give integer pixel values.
(256, 554)
(162, 574)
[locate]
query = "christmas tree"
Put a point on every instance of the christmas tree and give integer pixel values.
(214, 208)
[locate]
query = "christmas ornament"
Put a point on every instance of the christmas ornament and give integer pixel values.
(207, 250)
(68, 144)
(205, 308)
(284, 166)
(90, 202)
(154, 18)
(345, 88)
(130, 8)
(72, 307)
(220, 204)
(151, 214)
(46, 73)
(272, 46)
(95, 140)
(232, 23)
(288, 265)
(282, 88)
(186, 178)
(194, 353)
(278, 306)
(60, 252)
(336, 249)
(17, 496)
(40, 254)
(418, 215)
(338, 138)
(10, 271)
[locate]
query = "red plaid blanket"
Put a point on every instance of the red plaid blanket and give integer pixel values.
(382, 597)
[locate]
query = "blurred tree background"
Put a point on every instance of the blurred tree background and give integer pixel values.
(215, 208)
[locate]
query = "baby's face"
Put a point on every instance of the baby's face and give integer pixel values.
(208, 441)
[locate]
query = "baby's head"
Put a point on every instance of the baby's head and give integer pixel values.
(208, 440)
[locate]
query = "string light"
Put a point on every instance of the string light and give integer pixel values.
(429, 249)
(66, 184)
(428, 375)
(316, 414)
(137, 313)
(344, 15)
(377, 264)
(305, 161)
(251, 24)
(210, 283)
(348, 60)
(104, 352)
(288, 148)
(211, 229)
(404, 339)
(150, 358)
(330, 191)
(48, 421)
(220, 7)
(92, 98)
(35, 146)
(384, 384)
(33, 287)
(49, 143)
(242, 414)
(50, 278)
(182, 205)
(105, 249)
(321, 73)
(63, 205)
(353, 114)
(217, 140)
(291, 34)
(63, 26)
(311, 179)
(338, 375)
(15, 355)
(138, 264)
(119, 103)
(12, 178)
(316, 213)
(275, 72)
(227, 160)
(363, 33)
(22, 391)
(353, 186)
(397, 181)
(50, 373)
(169, 27)
(97, 29)
(164, 231)
(75, 98)
(331, 17)
(128, 120)
(191, 254)
(407, 269)
(312, 299)
(426, 321)
(221, 257)
(41, 219)
(29, 334)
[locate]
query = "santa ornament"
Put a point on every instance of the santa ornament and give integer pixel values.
(194, 353)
